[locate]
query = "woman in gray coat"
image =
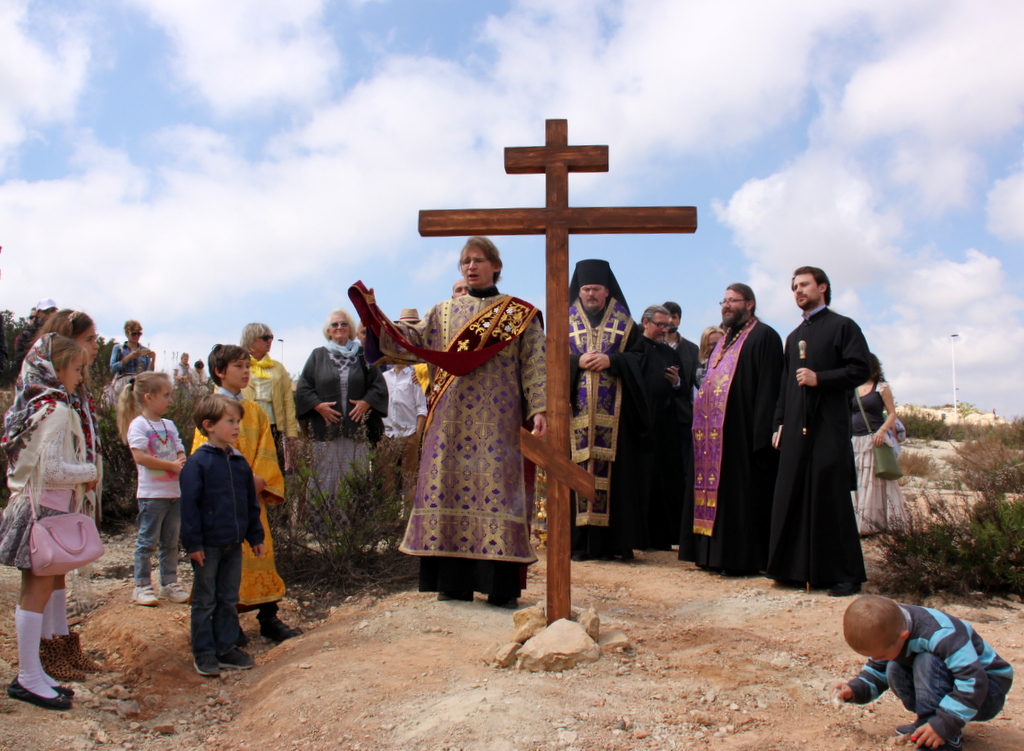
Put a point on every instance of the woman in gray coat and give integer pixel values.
(344, 401)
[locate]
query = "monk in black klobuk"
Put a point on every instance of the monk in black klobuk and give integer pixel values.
(609, 415)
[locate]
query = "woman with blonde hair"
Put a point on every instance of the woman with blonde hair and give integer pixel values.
(708, 340)
(270, 386)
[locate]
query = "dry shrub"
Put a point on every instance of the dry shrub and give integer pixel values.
(916, 464)
(969, 543)
(343, 537)
(989, 466)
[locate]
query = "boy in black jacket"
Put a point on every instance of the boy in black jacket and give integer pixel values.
(219, 511)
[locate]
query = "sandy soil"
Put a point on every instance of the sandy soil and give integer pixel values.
(715, 663)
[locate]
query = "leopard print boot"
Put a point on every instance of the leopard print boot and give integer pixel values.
(56, 661)
(76, 656)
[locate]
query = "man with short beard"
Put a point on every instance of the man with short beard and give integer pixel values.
(814, 537)
(728, 507)
(609, 415)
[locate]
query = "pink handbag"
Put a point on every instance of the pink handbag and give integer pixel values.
(59, 544)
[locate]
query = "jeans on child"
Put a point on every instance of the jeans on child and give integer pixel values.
(923, 687)
(214, 597)
(159, 525)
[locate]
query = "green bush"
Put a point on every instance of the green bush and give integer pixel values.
(971, 543)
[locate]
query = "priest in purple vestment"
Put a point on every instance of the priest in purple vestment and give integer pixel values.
(728, 507)
(470, 522)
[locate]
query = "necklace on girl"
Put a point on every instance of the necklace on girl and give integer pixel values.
(167, 433)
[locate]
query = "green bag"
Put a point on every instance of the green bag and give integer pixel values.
(886, 465)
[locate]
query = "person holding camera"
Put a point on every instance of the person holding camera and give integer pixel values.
(131, 358)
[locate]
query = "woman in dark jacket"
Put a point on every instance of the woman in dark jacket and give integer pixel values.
(344, 400)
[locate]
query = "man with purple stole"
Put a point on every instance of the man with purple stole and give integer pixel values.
(727, 512)
(470, 522)
(814, 537)
(609, 415)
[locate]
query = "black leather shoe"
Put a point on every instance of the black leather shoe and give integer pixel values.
(455, 596)
(843, 589)
(580, 557)
(277, 630)
(16, 691)
(510, 603)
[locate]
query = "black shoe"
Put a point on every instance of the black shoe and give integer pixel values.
(206, 664)
(580, 557)
(459, 596)
(16, 691)
(509, 603)
(277, 630)
(910, 727)
(64, 691)
(236, 659)
(242, 639)
(627, 555)
(843, 589)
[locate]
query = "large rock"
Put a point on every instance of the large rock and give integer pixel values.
(560, 646)
(590, 622)
(506, 656)
(614, 640)
(529, 622)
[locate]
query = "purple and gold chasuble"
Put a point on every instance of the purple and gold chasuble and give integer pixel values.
(596, 412)
(708, 419)
(470, 501)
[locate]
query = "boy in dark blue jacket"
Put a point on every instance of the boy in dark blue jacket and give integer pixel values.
(219, 510)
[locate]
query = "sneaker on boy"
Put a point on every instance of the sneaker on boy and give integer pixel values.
(236, 659)
(938, 666)
(144, 596)
(206, 664)
(174, 592)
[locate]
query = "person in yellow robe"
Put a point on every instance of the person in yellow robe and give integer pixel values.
(261, 588)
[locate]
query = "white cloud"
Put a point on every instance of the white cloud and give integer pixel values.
(944, 84)
(248, 55)
(818, 211)
(42, 71)
(935, 298)
(1006, 207)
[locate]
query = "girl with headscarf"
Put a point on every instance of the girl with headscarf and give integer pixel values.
(47, 474)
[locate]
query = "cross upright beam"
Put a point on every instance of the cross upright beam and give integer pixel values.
(556, 221)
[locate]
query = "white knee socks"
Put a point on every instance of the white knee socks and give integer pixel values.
(58, 607)
(29, 626)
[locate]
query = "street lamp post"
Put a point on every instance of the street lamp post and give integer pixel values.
(952, 355)
(286, 367)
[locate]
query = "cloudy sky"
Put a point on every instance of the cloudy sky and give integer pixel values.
(199, 165)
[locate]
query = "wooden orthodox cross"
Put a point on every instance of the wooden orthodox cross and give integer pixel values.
(556, 159)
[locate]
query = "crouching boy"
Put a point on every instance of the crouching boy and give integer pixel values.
(219, 511)
(936, 664)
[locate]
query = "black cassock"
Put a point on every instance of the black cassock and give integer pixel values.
(739, 542)
(662, 455)
(814, 535)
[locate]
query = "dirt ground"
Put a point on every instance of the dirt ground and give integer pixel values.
(714, 663)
